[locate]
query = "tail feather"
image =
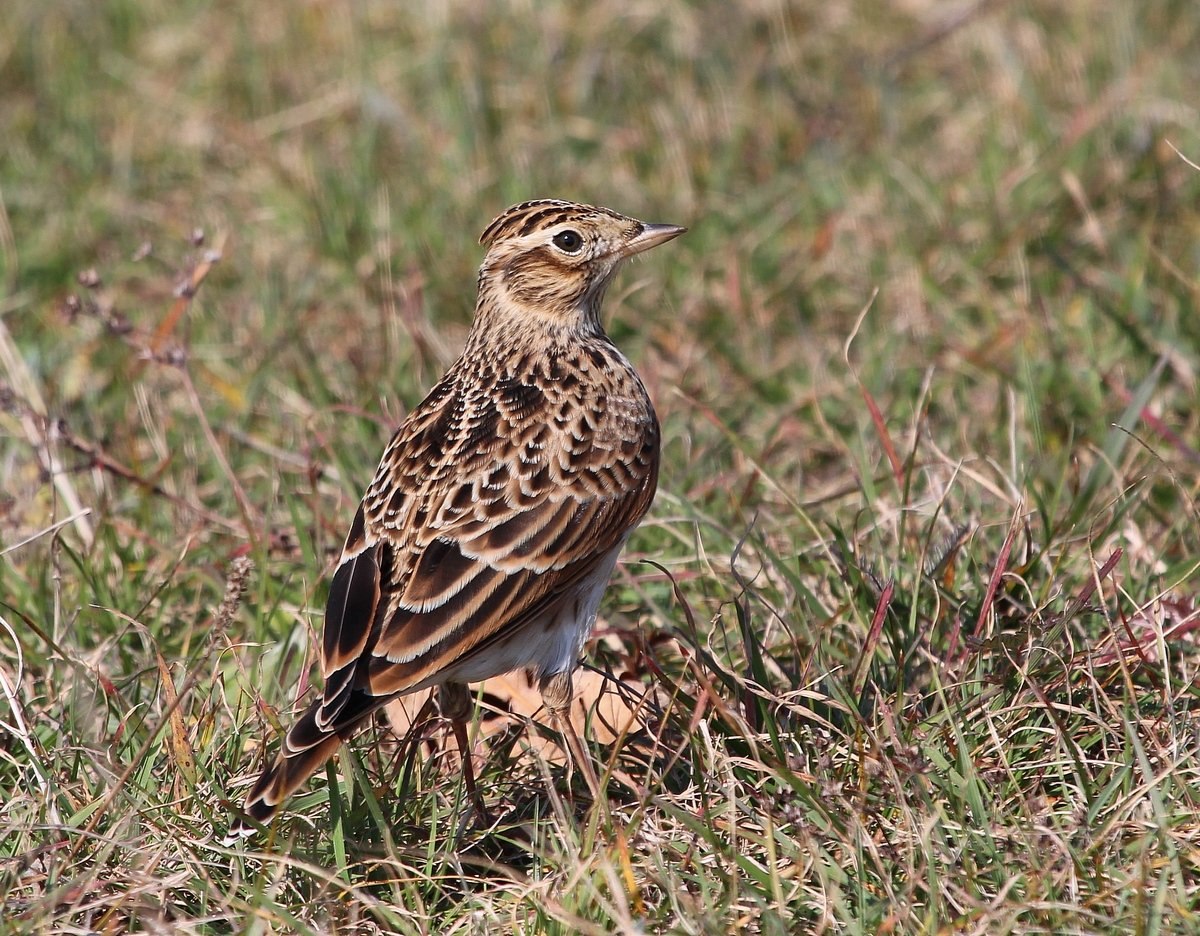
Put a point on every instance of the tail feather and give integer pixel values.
(305, 748)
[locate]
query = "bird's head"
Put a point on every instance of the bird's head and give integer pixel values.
(555, 258)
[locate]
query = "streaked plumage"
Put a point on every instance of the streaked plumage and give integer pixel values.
(494, 521)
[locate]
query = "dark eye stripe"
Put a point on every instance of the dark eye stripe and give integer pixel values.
(527, 217)
(505, 223)
(533, 222)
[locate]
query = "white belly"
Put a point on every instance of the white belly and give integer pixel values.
(546, 645)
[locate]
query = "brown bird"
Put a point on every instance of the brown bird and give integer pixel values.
(494, 521)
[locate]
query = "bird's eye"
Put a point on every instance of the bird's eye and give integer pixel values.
(568, 241)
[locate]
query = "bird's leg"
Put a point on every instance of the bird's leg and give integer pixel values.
(557, 692)
(455, 701)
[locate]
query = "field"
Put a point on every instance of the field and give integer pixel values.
(912, 625)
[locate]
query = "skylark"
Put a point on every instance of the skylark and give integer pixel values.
(495, 518)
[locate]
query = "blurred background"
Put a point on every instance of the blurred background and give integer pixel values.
(935, 316)
(1002, 173)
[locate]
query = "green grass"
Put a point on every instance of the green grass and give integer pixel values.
(917, 599)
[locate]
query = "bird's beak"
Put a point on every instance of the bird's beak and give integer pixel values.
(651, 236)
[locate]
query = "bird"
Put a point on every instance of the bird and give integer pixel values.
(494, 521)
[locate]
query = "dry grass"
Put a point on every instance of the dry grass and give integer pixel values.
(915, 613)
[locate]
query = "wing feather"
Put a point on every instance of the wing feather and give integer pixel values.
(479, 521)
(354, 599)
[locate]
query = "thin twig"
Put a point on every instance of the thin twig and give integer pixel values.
(244, 506)
(19, 729)
(36, 427)
(102, 460)
(40, 533)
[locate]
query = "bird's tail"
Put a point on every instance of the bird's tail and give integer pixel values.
(305, 748)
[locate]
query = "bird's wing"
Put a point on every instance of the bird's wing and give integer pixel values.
(482, 516)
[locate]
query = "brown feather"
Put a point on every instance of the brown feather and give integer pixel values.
(501, 500)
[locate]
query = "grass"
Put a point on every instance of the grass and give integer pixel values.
(915, 609)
